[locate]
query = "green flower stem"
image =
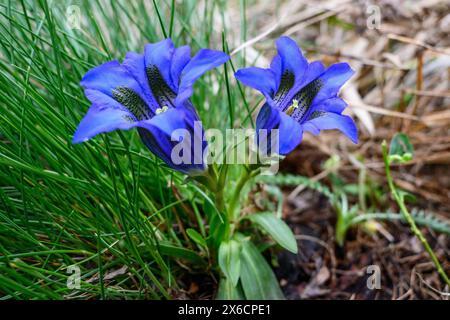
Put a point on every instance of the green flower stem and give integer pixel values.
(248, 175)
(408, 216)
(219, 200)
(220, 187)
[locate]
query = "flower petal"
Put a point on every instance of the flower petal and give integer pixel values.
(290, 68)
(180, 59)
(203, 61)
(260, 79)
(292, 59)
(277, 69)
(104, 115)
(108, 76)
(314, 70)
(159, 55)
(289, 131)
(318, 87)
(320, 120)
(134, 63)
(305, 92)
(117, 82)
(335, 105)
(332, 80)
(157, 132)
(291, 134)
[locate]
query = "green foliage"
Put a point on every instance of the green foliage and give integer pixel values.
(108, 203)
(352, 216)
(345, 217)
(230, 260)
(400, 149)
(419, 216)
(229, 291)
(197, 237)
(290, 180)
(257, 278)
(277, 228)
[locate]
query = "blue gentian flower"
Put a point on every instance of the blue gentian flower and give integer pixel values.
(300, 96)
(149, 91)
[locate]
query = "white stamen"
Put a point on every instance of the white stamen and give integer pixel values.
(161, 110)
(290, 110)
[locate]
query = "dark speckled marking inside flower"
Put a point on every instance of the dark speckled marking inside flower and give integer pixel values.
(305, 97)
(161, 91)
(316, 114)
(164, 96)
(129, 118)
(286, 84)
(132, 101)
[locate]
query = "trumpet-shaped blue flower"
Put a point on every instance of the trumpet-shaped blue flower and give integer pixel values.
(151, 92)
(300, 96)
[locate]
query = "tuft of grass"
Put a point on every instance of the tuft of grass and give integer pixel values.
(106, 206)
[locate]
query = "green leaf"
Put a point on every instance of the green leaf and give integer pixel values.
(197, 237)
(228, 291)
(230, 261)
(257, 279)
(277, 228)
(179, 252)
(218, 229)
(406, 196)
(401, 149)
